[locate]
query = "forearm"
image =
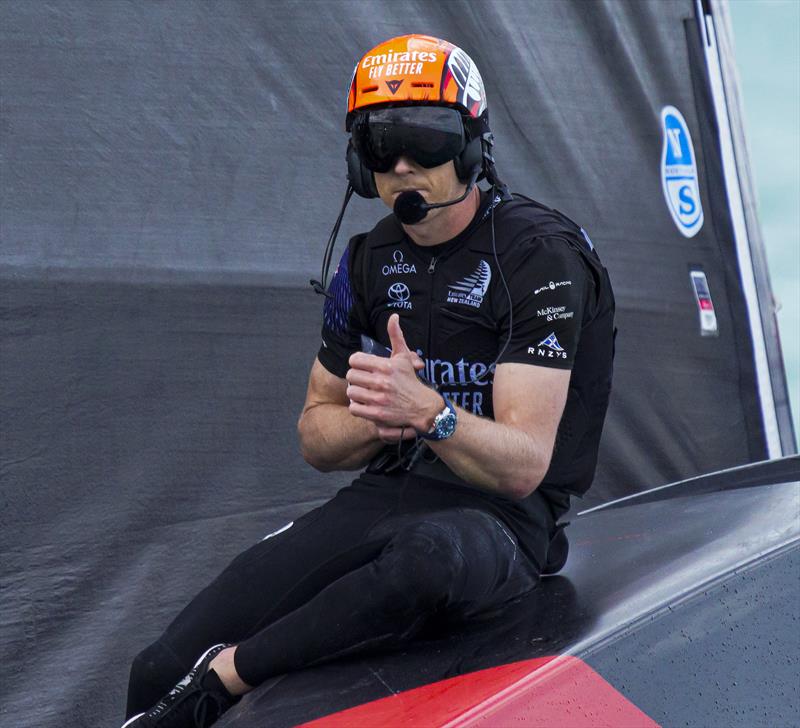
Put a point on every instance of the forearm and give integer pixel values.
(494, 456)
(333, 439)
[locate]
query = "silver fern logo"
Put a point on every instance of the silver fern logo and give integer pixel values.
(471, 289)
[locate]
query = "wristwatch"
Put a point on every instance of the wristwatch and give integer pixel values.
(444, 424)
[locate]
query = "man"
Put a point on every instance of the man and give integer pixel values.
(476, 424)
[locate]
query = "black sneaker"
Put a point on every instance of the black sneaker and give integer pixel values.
(197, 701)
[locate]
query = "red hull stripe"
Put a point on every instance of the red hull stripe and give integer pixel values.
(544, 692)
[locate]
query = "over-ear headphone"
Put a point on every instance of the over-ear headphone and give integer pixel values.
(362, 179)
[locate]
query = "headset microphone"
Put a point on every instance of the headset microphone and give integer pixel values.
(410, 207)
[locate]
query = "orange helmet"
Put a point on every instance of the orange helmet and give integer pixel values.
(417, 69)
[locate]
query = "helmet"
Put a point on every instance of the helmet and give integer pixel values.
(416, 70)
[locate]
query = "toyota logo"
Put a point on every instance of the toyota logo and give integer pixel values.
(399, 292)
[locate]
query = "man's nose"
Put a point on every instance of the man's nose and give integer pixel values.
(403, 165)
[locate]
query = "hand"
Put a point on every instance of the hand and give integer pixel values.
(388, 391)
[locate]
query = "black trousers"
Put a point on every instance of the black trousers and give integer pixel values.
(365, 571)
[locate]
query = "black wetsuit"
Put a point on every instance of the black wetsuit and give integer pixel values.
(400, 547)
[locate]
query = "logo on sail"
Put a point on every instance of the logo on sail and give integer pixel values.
(679, 173)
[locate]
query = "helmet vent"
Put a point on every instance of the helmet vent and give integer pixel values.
(422, 84)
(369, 89)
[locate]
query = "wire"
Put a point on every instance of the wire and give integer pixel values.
(505, 285)
(491, 367)
(321, 286)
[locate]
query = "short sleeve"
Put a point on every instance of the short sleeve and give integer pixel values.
(341, 323)
(548, 282)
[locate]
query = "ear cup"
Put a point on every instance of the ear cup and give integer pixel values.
(361, 179)
(471, 157)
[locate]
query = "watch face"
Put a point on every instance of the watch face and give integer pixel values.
(446, 426)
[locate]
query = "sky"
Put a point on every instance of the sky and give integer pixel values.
(767, 48)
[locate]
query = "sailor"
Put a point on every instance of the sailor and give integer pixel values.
(465, 369)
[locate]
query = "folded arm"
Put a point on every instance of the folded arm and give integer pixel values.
(330, 437)
(509, 454)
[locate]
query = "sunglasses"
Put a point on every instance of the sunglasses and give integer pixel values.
(430, 135)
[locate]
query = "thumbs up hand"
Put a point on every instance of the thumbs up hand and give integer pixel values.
(398, 342)
(388, 391)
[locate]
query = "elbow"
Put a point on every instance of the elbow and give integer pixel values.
(519, 488)
(318, 464)
(521, 484)
(313, 458)
(309, 453)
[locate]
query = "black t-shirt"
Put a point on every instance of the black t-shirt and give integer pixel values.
(454, 310)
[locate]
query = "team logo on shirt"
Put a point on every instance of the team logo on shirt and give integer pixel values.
(465, 377)
(399, 295)
(471, 289)
(548, 348)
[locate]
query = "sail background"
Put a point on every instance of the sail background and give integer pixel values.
(170, 172)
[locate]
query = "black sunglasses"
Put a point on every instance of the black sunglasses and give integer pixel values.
(430, 135)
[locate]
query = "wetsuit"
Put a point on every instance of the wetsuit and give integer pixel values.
(409, 542)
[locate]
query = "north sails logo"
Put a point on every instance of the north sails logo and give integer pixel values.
(471, 290)
(679, 178)
(548, 348)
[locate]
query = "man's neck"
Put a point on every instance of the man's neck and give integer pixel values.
(444, 223)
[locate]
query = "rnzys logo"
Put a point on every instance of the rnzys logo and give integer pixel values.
(399, 293)
(399, 266)
(548, 348)
(471, 289)
(679, 180)
(551, 286)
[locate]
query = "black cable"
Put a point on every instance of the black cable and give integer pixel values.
(322, 287)
(505, 285)
(475, 380)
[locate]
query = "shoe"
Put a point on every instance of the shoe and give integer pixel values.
(197, 701)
